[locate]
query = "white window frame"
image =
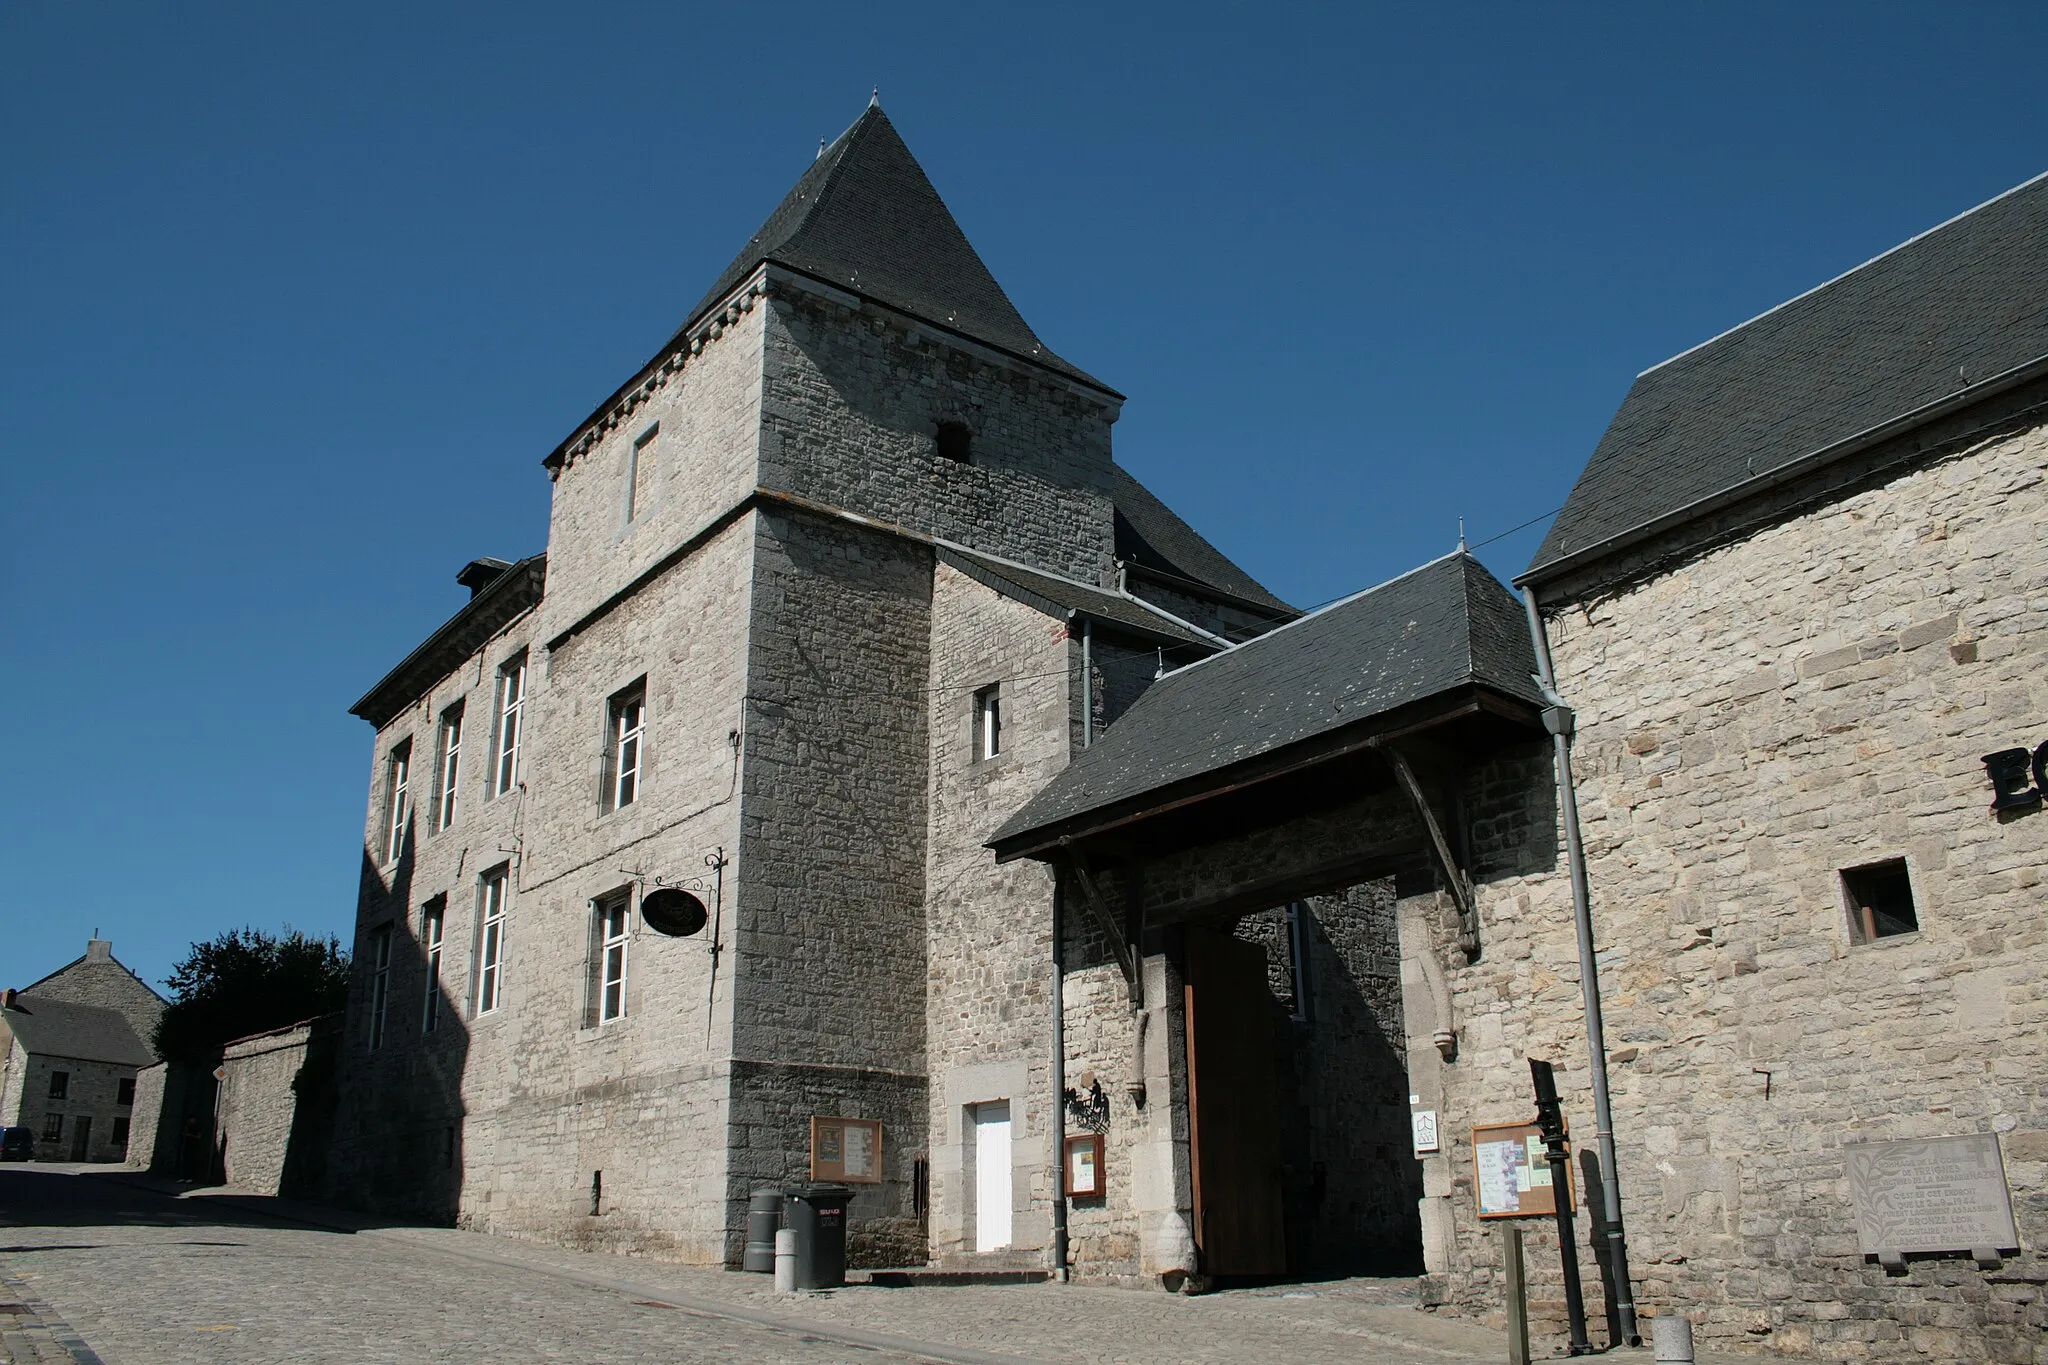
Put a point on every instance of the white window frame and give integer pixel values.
(380, 983)
(448, 783)
(626, 746)
(988, 722)
(493, 889)
(433, 937)
(509, 724)
(611, 932)
(397, 808)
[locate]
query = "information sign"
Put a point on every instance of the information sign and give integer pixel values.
(1512, 1172)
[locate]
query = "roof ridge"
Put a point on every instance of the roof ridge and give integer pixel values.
(1058, 577)
(1326, 608)
(1837, 279)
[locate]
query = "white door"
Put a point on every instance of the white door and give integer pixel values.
(992, 1176)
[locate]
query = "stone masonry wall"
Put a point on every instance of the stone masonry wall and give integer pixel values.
(275, 1107)
(99, 979)
(989, 926)
(1810, 698)
(852, 401)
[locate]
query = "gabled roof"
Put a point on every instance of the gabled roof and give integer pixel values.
(1150, 535)
(1056, 595)
(1445, 626)
(86, 1033)
(1956, 309)
(864, 218)
(487, 612)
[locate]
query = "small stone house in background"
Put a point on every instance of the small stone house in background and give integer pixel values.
(73, 1044)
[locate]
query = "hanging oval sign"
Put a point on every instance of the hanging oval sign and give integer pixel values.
(675, 913)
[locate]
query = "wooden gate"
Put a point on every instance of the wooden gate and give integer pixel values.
(1233, 1126)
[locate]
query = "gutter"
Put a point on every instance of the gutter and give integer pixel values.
(1791, 470)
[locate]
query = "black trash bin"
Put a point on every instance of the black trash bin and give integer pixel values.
(817, 1214)
(764, 1216)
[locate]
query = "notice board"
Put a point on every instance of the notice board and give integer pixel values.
(848, 1150)
(1512, 1172)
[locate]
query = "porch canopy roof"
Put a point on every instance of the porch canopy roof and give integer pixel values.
(1261, 727)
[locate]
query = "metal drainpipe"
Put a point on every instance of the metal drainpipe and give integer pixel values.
(1059, 1072)
(1087, 682)
(1557, 718)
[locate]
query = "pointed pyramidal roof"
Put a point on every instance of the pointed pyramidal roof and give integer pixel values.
(865, 219)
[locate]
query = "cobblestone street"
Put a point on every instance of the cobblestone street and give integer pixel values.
(99, 1266)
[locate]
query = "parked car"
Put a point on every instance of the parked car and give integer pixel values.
(17, 1144)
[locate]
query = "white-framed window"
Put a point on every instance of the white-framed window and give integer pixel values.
(611, 925)
(642, 464)
(380, 982)
(397, 805)
(625, 746)
(433, 926)
(510, 721)
(490, 939)
(988, 722)
(448, 780)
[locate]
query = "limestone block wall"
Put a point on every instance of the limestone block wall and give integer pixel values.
(275, 1108)
(853, 397)
(829, 949)
(989, 926)
(1810, 698)
(98, 979)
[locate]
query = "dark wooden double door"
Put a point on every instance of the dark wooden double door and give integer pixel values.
(1233, 1108)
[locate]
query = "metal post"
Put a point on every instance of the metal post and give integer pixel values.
(1059, 1072)
(1557, 718)
(1550, 1118)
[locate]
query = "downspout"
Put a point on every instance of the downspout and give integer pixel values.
(1557, 718)
(1059, 1071)
(1087, 682)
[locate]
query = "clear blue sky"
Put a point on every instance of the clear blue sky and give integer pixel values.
(297, 297)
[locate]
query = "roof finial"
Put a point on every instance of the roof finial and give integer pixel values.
(821, 149)
(875, 98)
(1461, 535)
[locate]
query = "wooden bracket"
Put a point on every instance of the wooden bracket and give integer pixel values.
(1454, 876)
(1120, 939)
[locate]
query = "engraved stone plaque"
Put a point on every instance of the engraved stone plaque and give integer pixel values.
(1936, 1194)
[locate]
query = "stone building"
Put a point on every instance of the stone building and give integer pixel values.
(673, 861)
(71, 1046)
(1797, 610)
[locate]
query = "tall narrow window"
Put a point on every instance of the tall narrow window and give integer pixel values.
(609, 926)
(988, 721)
(60, 1084)
(641, 468)
(433, 919)
(624, 744)
(397, 808)
(511, 713)
(53, 1127)
(380, 983)
(490, 943)
(448, 782)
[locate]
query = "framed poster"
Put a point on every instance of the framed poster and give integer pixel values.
(1084, 1166)
(1512, 1172)
(848, 1150)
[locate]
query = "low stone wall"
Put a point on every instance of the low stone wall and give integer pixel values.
(276, 1107)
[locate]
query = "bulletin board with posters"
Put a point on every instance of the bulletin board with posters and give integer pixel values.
(1512, 1172)
(846, 1150)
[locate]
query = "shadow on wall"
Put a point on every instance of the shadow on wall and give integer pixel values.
(392, 1109)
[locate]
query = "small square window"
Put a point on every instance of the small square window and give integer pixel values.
(955, 442)
(60, 1084)
(1880, 900)
(124, 1091)
(988, 722)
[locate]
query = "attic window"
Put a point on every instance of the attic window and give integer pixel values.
(954, 442)
(1880, 901)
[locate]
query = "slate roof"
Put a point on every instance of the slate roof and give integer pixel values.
(461, 635)
(865, 218)
(1056, 596)
(1149, 534)
(1433, 630)
(1953, 308)
(87, 1033)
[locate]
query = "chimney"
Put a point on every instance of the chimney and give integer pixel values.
(479, 574)
(7, 999)
(99, 950)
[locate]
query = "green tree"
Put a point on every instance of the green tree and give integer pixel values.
(248, 981)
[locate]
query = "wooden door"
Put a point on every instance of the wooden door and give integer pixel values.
(1233, 1127)
(81, 1139)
